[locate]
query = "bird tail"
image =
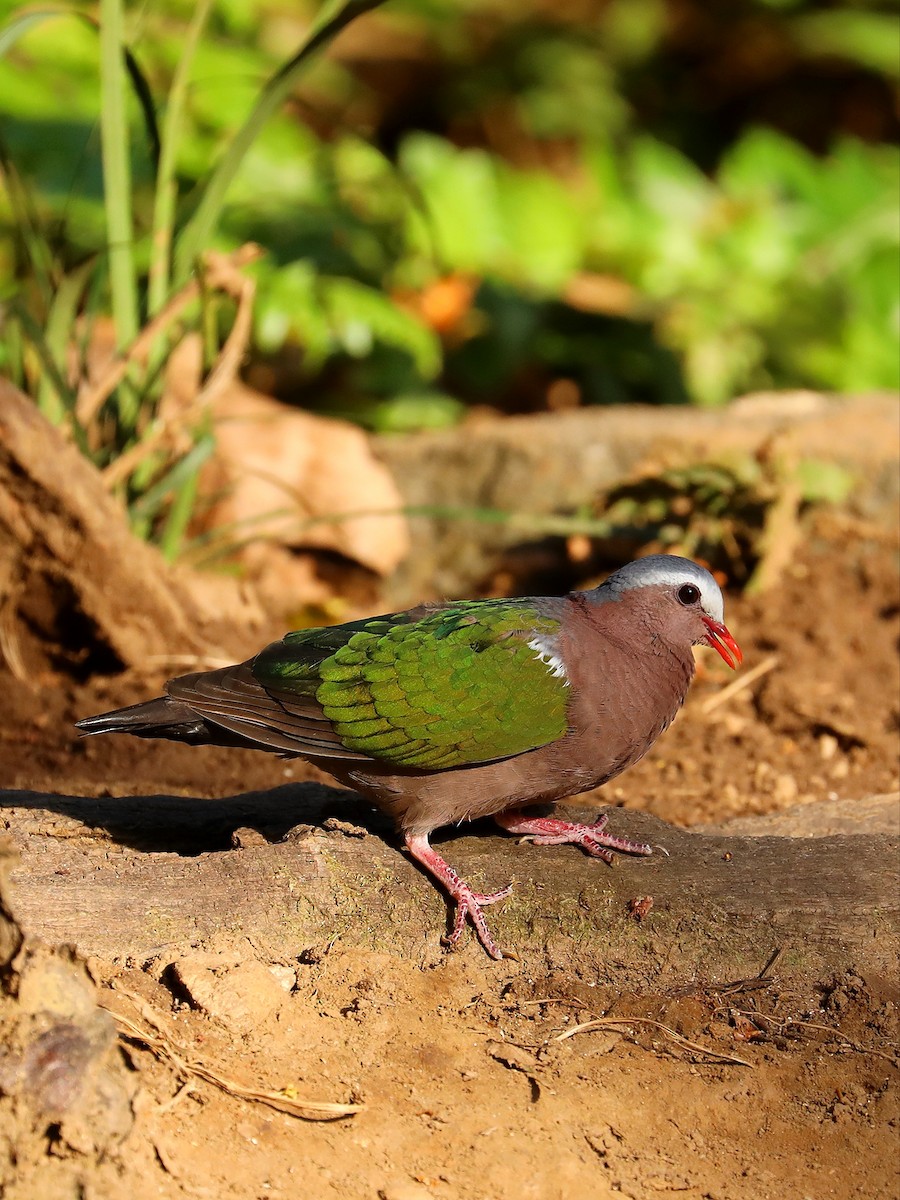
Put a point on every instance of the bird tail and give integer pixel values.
(160, 718)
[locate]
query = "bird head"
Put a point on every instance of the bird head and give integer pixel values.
(686, 601)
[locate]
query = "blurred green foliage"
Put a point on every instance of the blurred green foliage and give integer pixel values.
(616, 196)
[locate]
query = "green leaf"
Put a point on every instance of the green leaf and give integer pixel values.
(462, 224)
(21, 23)
(824, 482)
(414, 411)
(544, 228)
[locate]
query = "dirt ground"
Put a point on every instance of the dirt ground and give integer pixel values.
(466, 1091)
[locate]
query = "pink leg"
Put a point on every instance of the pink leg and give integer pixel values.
(467, 903)
(547, 831)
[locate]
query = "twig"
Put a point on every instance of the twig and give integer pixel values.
(90, 401)
(162, 1046)
(844, 1043)
(770, 962)
(739, 684)
(186, 1089)
(222, 273)
(755, 982)
(552, 1000)
(92, 397)
(614, 1022)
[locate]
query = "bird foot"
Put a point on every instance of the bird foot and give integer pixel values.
(548, 831)
(467, 903)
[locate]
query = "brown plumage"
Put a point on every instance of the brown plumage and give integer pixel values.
(450, 713)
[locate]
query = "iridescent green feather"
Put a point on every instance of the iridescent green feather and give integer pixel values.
(456, 686)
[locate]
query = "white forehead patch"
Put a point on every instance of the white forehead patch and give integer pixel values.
(671, 571)
(546, 652)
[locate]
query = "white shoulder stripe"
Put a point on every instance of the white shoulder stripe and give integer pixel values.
(546, 652)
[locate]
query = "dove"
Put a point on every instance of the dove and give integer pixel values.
(466, 709)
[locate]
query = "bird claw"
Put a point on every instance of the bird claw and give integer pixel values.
(491, 897)
(469, 904)
(548, 831)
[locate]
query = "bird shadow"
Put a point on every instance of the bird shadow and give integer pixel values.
(159, 823)
(191, 825)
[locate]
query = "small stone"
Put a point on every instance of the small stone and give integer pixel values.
(763, 772)
(730, 793)
(346, 828)
(285, 977)
(828, 746)
(785, 789)
(408, 1189)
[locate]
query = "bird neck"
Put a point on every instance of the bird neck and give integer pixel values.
(630, 622)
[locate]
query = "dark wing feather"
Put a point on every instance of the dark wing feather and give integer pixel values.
(289, 720)
(234, 699)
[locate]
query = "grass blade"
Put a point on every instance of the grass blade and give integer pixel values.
(12, 349)
(144, 96)
(180, 511)
(196, 235)
(58, 338)
(35, 336)
(149, 504)
(21, 23)
(115, 148)
(166, 187)
(27, 230)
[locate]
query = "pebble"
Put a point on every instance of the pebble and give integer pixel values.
(406, 1190)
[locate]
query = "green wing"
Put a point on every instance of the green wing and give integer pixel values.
(455, 686)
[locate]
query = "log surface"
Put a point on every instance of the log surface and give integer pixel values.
(302, 865)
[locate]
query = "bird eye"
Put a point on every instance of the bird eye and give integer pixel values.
(688, 593)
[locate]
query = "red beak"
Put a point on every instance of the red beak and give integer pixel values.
(722, 642)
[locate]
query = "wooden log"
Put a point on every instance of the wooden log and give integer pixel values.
(147, 876)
